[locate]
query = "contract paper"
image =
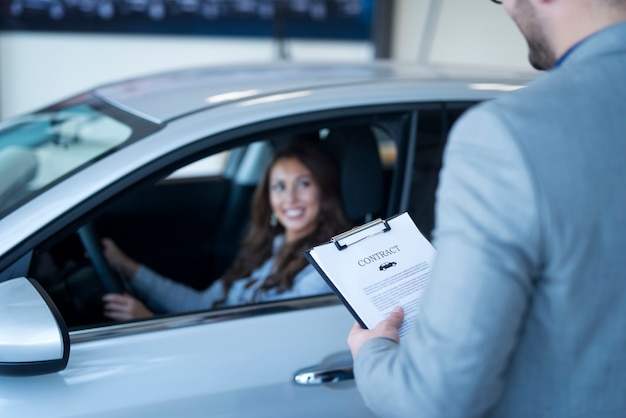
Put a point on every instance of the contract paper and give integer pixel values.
(376, 267)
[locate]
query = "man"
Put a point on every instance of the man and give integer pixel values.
(525, 315)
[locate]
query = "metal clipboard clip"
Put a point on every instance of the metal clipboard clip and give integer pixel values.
(359, 233)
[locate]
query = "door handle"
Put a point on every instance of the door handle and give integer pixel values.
(317, 376)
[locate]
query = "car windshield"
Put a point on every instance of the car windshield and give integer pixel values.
(38, 149)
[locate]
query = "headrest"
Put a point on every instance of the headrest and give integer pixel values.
(360, 170)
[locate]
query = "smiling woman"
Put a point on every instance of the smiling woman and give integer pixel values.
(296, 205)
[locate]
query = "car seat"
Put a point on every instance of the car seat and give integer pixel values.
(360, 169)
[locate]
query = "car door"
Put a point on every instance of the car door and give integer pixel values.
(231, 367)
(286, 358)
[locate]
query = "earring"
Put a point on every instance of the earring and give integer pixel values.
(273, 220)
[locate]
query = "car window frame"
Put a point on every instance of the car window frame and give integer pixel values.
(159, 167)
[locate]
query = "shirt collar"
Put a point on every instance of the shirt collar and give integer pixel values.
(584, 41)
(572, 49)
(279, 241)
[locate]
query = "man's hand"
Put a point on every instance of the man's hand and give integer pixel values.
(124, 307)
(386, 329)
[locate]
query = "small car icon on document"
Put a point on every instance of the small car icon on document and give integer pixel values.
(385, 266)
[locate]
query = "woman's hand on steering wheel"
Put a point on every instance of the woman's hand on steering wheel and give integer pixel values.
(124, 307)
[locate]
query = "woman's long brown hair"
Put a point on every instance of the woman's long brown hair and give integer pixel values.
(256, 247)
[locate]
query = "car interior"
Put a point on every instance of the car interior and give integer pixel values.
(188, 226)
(187, 223)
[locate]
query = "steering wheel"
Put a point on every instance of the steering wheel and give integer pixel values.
(111, 280)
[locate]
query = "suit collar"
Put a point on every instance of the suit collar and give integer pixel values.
(609, 40)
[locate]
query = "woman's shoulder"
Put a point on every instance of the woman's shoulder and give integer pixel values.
(307, 270)
(277, 243)
(309, 278)
(308, 274)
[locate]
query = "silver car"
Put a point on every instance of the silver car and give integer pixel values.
(166, 165)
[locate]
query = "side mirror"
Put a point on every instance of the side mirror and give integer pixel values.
(35, 339)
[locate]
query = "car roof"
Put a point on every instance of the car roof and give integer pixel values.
(166, 96)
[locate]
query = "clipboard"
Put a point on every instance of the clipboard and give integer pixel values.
(375, 266)
(359, 233)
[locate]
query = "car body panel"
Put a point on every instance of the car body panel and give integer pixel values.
(185, 92)
(139, 374)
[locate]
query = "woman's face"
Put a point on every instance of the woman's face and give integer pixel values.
(294, 197)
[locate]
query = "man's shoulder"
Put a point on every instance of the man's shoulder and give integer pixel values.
(538, 100)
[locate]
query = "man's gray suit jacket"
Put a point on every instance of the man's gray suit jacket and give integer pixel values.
(526, 312)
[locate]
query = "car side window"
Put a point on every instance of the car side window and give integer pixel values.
(172, 225)
(188, 224)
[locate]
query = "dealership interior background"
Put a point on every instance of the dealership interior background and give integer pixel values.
(40, 67)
